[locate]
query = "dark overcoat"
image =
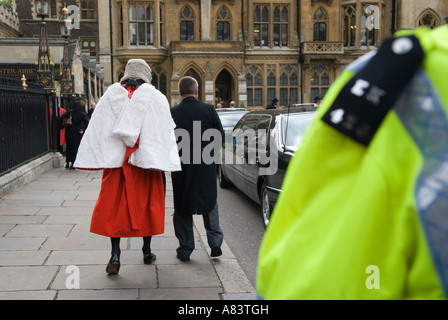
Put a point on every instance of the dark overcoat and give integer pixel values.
(195, 187)
(72, 133)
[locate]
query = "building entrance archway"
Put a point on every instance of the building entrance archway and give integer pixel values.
(224, 88)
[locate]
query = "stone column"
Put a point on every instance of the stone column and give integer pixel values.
(206, 6)
(242, 91)
(104, 31)
(78, 70)
(359, 14)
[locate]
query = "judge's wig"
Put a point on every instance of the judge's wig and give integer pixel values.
(137, 69)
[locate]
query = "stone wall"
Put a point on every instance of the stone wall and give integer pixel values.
(9, 23)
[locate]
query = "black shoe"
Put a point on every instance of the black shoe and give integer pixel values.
(182, 258)
(71, 167)
(114, 264)
(67, 165)
(149, 258)
(216, 252)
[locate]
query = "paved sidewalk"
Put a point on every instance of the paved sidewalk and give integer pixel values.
(44, 230)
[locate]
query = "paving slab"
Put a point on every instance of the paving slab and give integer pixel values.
(70, 211)
(100, 294)
(188, 275)
(23, 258)
(66, 219)
(31, 202)
(31, 243)
(95, 277)
(28, 295)
(40, 230)
(45, 233)
(181, 294)
(4, 219)
(17, 210)
(93, 242)
(72, 257)
(79, 203)
(26, 278)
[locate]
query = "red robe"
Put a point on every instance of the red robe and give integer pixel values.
(62, 131)
(131, 202)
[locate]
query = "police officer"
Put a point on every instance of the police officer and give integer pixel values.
(363, 213)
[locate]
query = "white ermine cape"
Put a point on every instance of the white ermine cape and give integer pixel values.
(118, 122)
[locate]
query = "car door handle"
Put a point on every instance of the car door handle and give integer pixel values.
(262, 165)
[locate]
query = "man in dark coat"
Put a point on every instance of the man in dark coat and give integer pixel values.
(273, 104)
(195, 187)
(75, 131)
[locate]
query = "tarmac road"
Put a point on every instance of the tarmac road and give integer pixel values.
(243, 229)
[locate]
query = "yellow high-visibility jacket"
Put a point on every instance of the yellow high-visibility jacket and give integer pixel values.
(365, 215)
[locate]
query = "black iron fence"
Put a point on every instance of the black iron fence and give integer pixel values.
(24, 123)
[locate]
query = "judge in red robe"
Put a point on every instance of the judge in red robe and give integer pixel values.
(131, 137)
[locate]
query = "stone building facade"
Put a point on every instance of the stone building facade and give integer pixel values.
(245, 51)
(251, 51)
(9, 22)
(18, 50)
(248, 51)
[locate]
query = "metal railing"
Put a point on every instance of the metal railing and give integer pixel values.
(24, 123)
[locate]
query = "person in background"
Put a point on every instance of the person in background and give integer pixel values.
(232, 104)
(273, 104)
(74, 130)
(61, 132)
(82, 101)
(318, 99)
(92, 108)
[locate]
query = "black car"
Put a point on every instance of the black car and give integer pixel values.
(256, 156)
(230, 116)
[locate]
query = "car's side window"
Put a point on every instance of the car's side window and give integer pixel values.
(250, 122)
(263, 131)
(238, 132)
(244, 136)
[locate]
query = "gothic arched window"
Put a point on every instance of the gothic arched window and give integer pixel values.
(428, 19)
(261, 26)
(280, 26)
(223, 19)
(141, 24)
(320, 25)
(187, 24)
(349, 26)
(254, 84)
(320, 81)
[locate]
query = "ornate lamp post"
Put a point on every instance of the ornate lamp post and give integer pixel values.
(44, 62)
(45, 72)
(66, 65)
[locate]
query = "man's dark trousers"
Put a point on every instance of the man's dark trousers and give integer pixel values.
(183, 228)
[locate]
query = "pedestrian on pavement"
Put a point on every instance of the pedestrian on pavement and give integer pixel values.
(130, 136)
(273, 104)
(61, 131)
(194, 188)
(92, 108)
(82, 101)
(76, 122)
